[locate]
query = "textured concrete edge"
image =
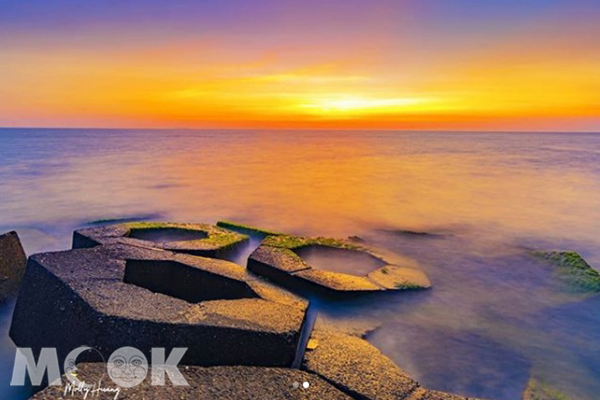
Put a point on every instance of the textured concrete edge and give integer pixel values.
(12, 264)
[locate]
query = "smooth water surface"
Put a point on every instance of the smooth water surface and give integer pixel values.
(494, 316)
(339, 260)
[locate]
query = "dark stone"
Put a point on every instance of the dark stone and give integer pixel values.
(213, 383)
(12, 264)
(197, 239)
(80, 297)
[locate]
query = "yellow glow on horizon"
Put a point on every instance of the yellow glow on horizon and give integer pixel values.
(351, 105)
(526, 91)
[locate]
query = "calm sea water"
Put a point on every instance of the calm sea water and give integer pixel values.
(494, 316)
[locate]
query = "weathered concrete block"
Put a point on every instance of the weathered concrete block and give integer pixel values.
(357, 368)
(12, 264)
(107, 297)
(214, 383)
(197, 239)
(277, 259)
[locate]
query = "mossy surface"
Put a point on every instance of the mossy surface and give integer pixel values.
(538, 390)
(216, 236)
(409, 286)
(573, 269)
(221, 240)
(155, 225)
(247, 229)
(294, 242)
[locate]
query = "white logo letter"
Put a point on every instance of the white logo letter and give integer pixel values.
(160, 367)
(24, 361)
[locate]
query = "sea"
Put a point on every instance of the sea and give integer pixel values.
(468, 207)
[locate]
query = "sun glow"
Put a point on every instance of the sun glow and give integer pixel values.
(393, 65)
(355, 105)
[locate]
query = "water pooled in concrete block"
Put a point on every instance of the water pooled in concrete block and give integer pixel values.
(339, 260)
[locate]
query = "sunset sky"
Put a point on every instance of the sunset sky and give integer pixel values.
(363, 64)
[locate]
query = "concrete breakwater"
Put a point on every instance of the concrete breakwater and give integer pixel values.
(144, 285)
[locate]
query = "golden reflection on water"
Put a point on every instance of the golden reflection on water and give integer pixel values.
(496, 188)
(330, 183)
(334, 185)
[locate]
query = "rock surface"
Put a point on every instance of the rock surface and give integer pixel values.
(197, 239)
(357, 368)
(537, 390)
(213, 383)
(573, 270)
(338, 282)
(12, 264)
(80, 297)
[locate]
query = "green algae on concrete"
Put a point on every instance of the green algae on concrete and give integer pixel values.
(295, 242)
(216, 236)
(211, 241)
(538, 390)
(572, 269)
(246, 229)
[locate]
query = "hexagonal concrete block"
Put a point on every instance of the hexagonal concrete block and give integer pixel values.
(278, 259)
(197, 239)
(12, 264)
(113, 296)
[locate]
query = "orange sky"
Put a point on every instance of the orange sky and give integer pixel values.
(388, 66)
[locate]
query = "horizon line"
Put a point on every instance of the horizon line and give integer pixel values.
(301, 129)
